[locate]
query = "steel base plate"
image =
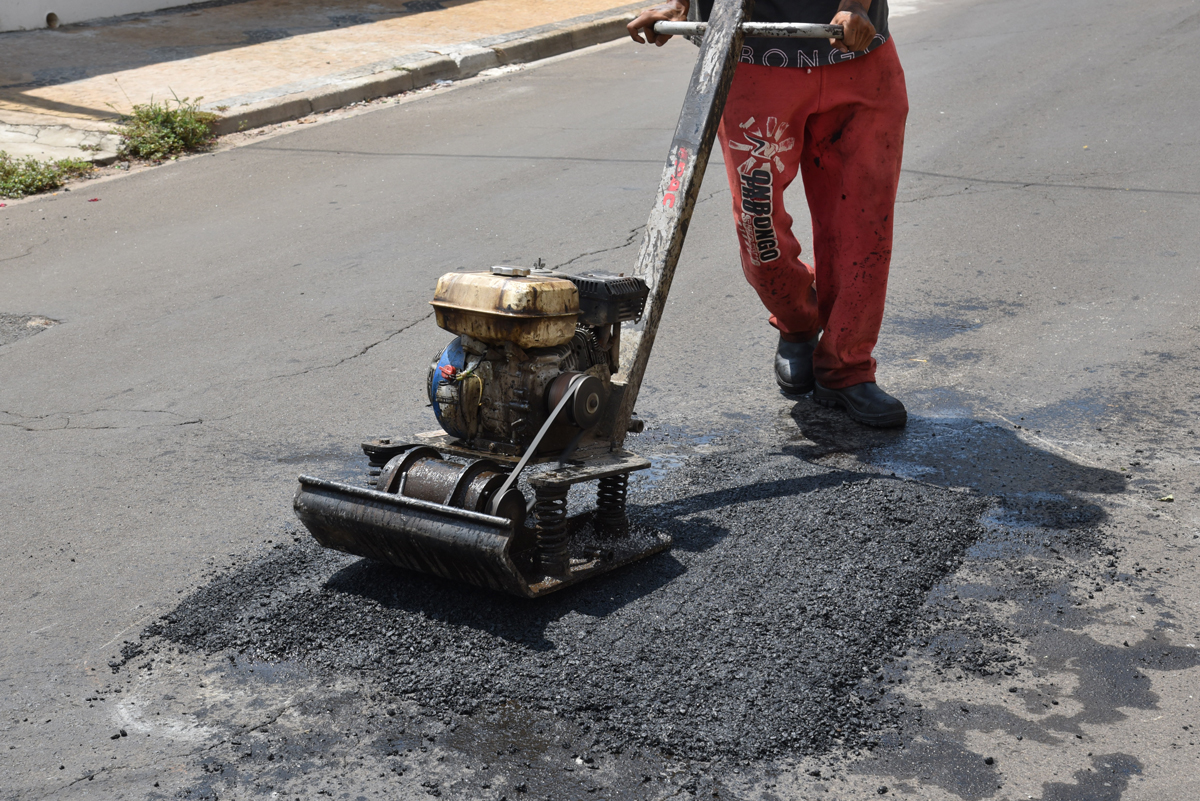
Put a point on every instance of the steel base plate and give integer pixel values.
(591, 555)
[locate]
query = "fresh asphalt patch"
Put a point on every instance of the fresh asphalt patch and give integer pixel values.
(788, 586)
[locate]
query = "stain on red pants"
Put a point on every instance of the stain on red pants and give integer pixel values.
(842, 128)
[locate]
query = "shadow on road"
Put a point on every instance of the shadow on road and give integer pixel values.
(1035, 486)
(521, 621)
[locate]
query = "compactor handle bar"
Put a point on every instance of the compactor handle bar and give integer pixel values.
(782, 30)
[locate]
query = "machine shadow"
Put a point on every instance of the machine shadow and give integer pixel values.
(524, 621)
(521, 621)
(1034, 486)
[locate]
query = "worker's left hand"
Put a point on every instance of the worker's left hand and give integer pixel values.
(643, 24)
(857, 30)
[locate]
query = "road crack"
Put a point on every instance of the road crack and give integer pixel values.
(630, 238)
(26, 253)
(269, 722)
(1050, 185)
(361, 352)
(90, 776)
(966, 190)
(58, 421)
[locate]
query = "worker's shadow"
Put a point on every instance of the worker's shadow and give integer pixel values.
(1035, 482)
(691, 530)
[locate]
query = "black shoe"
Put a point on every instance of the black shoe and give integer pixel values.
(866, 403)
(793, 366)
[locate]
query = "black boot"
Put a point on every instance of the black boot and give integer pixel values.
(866, 403)
(793, 366)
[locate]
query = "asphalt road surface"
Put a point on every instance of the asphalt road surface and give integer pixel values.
(999, 601)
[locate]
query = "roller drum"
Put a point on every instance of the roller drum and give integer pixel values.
(423, 474)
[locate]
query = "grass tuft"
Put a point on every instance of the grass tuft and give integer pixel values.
(156, 131)
(21, 177)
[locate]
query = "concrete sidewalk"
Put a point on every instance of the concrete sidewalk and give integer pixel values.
(258, 62)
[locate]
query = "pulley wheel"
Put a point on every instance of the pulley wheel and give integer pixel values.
(585, 407)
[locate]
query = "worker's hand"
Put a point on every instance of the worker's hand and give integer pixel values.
(857, 30)
(670, 11)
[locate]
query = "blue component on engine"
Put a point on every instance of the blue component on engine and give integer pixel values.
(453, 356)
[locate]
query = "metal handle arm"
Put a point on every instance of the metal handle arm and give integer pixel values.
(677, 191)
(782, 30)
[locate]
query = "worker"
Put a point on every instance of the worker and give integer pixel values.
(834, 111)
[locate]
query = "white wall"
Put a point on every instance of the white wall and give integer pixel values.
(18, 15)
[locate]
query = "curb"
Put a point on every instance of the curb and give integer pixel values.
(382, 79)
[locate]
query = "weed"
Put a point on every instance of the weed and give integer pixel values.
(21, 177)
(155, 131)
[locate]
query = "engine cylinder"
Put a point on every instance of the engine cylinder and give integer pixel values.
(498, 395)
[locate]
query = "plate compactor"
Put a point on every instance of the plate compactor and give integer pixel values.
(543, 372)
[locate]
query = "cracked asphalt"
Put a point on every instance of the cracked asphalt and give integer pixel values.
(998, 602)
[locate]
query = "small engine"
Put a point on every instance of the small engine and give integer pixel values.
(524, 337)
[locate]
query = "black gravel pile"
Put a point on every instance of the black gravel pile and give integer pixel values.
(788, 590)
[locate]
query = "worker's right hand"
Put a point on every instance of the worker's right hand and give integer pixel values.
(643, 25)
(857, 30)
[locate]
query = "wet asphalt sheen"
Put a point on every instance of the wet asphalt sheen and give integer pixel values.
(997, 602)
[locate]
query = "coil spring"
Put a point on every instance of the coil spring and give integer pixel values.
(611, 495)
(550, 511)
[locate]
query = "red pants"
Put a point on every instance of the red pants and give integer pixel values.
(842, 127)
